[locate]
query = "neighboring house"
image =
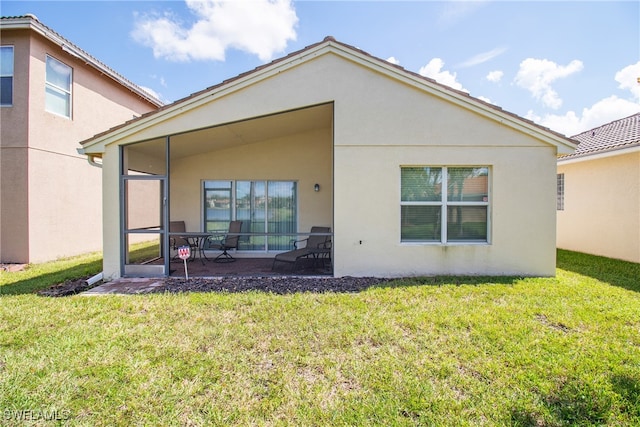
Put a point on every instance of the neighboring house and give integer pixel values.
(599, 192)
(332, 136)
(53, 95)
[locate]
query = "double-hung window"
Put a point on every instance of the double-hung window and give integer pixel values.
(6, 76)
(59, 78)
(445, 204)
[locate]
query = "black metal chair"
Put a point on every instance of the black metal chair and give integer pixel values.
(228, 242)
(317, 245)
(177, 241)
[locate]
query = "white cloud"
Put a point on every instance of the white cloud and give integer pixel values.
(487, 100)
(483, 57)
(160, 79)
(259, 27)
(152, 93)
(628, 79)
(434, 70)
(495, 76)
(537, 75)
(604, 111)
(393, 60)
(455, 11)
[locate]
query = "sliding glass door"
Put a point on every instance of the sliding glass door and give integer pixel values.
(280, 218)
(218, 203)
(266, 208)
(251, 204)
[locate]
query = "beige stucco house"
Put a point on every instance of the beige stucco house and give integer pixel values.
(599, 192)
(413, 177)
(53, 94)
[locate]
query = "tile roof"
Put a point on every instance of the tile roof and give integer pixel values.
(616, 135)
(332, 40)
(32, 22)
(375, 58)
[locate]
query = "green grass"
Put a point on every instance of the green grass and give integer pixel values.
(41, 276)
(447, 351)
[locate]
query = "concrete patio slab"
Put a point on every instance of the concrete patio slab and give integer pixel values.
(242, 267)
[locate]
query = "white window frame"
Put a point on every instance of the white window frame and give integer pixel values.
(444, 203)
(12, 74)
(60, 89)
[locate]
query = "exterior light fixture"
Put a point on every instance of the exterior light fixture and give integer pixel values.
(316, 187)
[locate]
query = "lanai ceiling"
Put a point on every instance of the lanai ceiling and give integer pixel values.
(240, 133)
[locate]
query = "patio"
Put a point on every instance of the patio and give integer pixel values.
(260, 267)
(203, 274)
(255, 171)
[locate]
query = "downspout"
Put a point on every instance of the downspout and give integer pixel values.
(91, 158)
(93, 280)
(92, 161)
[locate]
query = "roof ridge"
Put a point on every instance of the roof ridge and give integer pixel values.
(330, 40)
(605, 125)
(615, 135)
(78, 52)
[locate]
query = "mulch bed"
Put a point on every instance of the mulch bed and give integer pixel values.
(69, 287)
(275, 285)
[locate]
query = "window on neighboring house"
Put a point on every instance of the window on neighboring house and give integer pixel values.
(560, 192)
(464, 204)
(58, 88)
(262, 206)
(6, 76)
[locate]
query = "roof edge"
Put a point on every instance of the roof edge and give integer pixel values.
(178, 106)
(31, 22)
(600, 154)
(564, 144)
(465, 100)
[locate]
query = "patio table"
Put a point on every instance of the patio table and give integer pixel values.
(196, 240)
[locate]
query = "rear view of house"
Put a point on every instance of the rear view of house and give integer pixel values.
(53, 95)
(411, 177)
(599, 192)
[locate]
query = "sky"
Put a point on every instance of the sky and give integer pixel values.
(569, 66)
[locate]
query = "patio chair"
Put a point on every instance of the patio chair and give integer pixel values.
(176, 241)
(229, 241)
(317, 245)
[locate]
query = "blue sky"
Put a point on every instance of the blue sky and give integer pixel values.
(570, 66)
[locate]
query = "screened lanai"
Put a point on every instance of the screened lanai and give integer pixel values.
(274, 173)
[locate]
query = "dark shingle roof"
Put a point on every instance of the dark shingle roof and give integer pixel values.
(616, 135)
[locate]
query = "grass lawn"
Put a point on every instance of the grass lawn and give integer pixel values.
(434, 351)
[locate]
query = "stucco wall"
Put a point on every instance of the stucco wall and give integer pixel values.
(111, 213)
(521, 228)
(305, 158)
(53, 206)
(14, 227)
(601, 213)
(380, 125)
(378, 131)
